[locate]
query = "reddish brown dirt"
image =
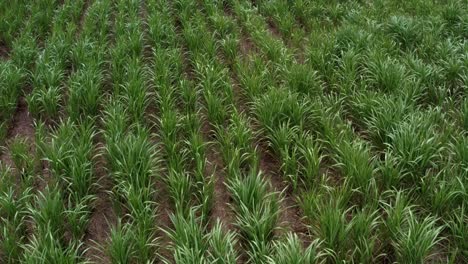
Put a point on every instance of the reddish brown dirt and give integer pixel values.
(4, 51)
(83, 16)
(246, 46)
(84, 12)
(215, 167)
(102, 219)
(221, 209)
(147, 47)
(22, 123)
(163, 218)
(274, 29)
(22, 126)
(291, 215)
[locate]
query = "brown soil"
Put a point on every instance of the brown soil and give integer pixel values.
(4, 51)
(22, 126)
(291, 215)
(147, 47)
(163, 218)
(290, 218)
(221, 209)
(84, 12)
(22, 123)
(246, 45)
(102, 219)
(274, 29)
(215, 167)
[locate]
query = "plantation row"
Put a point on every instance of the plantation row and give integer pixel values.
(233, 131)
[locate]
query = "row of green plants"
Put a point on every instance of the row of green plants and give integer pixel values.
(354, 158)
(130, 150)
(68, 134)
(58, 214)
(361, 105)
(32, 227)
(19, 35)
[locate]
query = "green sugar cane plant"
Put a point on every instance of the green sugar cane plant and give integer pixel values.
(257, 26)
(328, 221)
(290, 250)
(132, 161)
(170, 127)
(21, 156)
(253, 76)
(415, 243)
(365, 235)
(45, 99)
(464, 115)
(279, 12)
(48, 212)
(443, 192)
(216, 91)
(196, 148)
(350, 69)
(384, 74)
(222, 26)
(397, 208)
(230, 46)
(181, 189)
(49, 244)
(25, 50)
(388, 174)
(11, 79)
(130, 153)
(382, 123)
(160, 30)
(49, 250)
(279, 106)
(142, 222)
(303, 79)
(190, 96)
(121, 248)
(222, 245)
(459, 149)
(357, 166)
(71, 154)
(134, 90)
(84, 91)
(428, 82)
(236, 143)
(416, 145)
(188, 238)
(257, 211)
(456, 225)
(362, 106)
(78, 215)
(196, 165)
(13, 218)
(49, 72)
(310, 157)
(97, 24)
(181, 184)
(42, 15)
(281, 141)
(404, 31)
(15, 15)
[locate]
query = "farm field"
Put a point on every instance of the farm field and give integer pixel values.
(229, 131)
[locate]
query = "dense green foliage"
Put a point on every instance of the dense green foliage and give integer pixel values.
(227, 131)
